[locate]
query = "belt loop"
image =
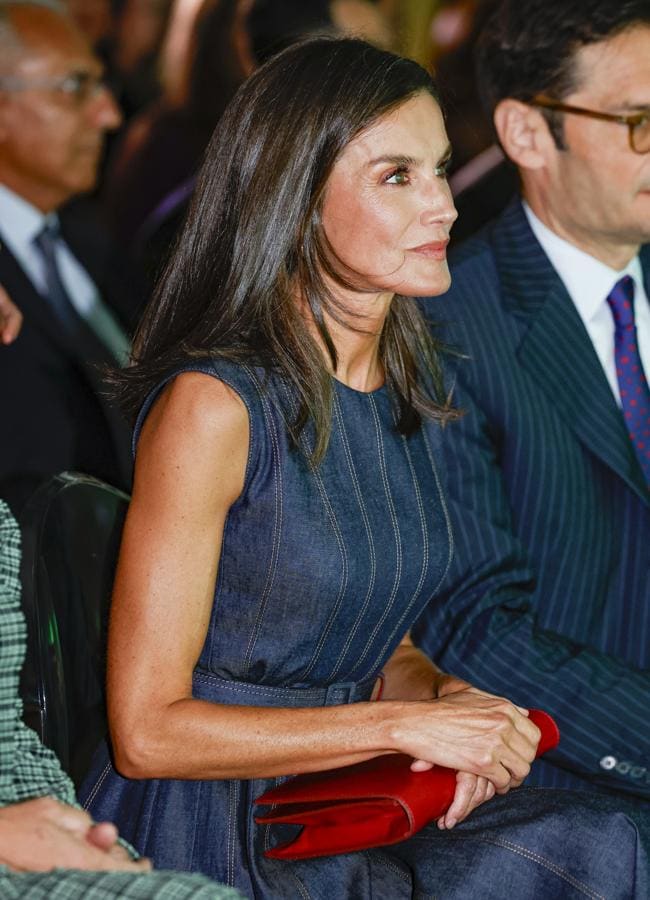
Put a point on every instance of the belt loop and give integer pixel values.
(337, 694)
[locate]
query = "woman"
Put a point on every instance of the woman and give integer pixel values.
(288, 522)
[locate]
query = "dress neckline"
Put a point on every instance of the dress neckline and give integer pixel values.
(346, 389)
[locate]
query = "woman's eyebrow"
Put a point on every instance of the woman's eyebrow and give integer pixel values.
(399, 159)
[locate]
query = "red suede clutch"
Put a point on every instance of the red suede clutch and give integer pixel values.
(371, 804)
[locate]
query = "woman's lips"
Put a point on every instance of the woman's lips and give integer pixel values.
(434, 250)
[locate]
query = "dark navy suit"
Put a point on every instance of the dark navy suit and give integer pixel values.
(54, 412)
(547, 600)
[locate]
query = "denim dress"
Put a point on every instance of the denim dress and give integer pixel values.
(321, 574)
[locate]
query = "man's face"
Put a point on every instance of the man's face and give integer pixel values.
(598, 188)
(51, 138)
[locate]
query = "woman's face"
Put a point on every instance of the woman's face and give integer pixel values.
(388, 210)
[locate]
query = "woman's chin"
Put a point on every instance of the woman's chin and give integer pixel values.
(429, 287)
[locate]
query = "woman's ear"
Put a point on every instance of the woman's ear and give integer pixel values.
(523, 133)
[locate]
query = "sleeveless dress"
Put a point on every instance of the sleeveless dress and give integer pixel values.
(321, 574)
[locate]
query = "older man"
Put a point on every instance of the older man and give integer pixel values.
(548, 596)
(54, 112)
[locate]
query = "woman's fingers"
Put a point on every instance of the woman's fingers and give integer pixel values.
(472, 732)
(466, 785)
(471, 791)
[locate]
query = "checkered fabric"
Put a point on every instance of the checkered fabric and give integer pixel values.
(28, 769)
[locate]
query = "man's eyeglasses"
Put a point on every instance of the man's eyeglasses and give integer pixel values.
(79, 86)
(638, 123)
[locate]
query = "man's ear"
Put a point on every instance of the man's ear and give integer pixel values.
(523, 133)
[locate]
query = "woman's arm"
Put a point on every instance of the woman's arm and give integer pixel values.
(190, 469)
(411, 675)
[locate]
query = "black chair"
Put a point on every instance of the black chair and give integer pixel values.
(71, 530)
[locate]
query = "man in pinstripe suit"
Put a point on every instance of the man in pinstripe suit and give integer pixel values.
(548, 597)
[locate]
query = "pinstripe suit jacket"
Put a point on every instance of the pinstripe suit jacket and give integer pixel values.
(548, 597)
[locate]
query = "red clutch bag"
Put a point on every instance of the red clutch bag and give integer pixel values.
(371, 804)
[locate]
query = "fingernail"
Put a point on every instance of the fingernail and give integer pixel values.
(451, 822)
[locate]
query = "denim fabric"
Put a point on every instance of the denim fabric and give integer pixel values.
(321, 573)
(535, 844)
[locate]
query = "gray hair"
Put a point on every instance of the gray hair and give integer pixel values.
(56, 5)
(11, 43)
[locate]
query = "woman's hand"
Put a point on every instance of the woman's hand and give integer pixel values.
(471, 731)
(410, 675)
(471, 791)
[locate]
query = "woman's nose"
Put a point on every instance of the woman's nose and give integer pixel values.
(439, 206)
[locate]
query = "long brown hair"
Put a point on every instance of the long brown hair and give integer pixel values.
(254, 232)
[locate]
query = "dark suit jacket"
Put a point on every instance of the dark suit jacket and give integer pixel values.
(53, 413)
(548, 597)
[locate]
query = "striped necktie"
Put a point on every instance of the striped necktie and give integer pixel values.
(633, 385)
(81, 336)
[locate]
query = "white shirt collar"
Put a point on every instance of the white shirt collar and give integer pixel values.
(587, 279)
(20, 221)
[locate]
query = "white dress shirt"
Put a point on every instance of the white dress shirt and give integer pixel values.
(20, 223)
(588, 282)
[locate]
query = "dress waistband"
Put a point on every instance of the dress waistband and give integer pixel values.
(208, 686)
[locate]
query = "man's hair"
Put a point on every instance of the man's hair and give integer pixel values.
(11, 43)
(529, 47)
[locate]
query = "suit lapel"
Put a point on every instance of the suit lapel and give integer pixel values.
(40, 317)
(33, 307)
(556, 350)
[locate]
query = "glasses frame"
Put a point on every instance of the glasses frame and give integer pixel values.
(632, 120)
(79, 86)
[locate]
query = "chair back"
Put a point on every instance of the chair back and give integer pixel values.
(71, 529)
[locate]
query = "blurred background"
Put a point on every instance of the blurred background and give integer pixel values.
(82, 262)
(174, 64)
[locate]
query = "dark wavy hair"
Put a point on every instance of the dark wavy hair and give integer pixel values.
(529, 47)
(254, 233)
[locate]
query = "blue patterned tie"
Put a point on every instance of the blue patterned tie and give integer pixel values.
(633, 386)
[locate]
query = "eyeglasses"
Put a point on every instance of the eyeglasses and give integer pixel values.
(638, 123)
(78, 86)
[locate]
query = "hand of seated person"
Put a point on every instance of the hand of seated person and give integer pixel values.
(43, 834)
(411, 675)
(471, 790)
(11, 318)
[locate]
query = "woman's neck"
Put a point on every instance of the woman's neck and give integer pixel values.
(357, 347)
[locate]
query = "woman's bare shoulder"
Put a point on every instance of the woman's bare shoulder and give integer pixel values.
(199, 427)
(200, 403)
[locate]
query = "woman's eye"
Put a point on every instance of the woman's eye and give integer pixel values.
(398, 177)
(442, 170)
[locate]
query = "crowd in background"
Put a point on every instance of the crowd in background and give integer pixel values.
(170, 67)
(173, 66)
(106, 111)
